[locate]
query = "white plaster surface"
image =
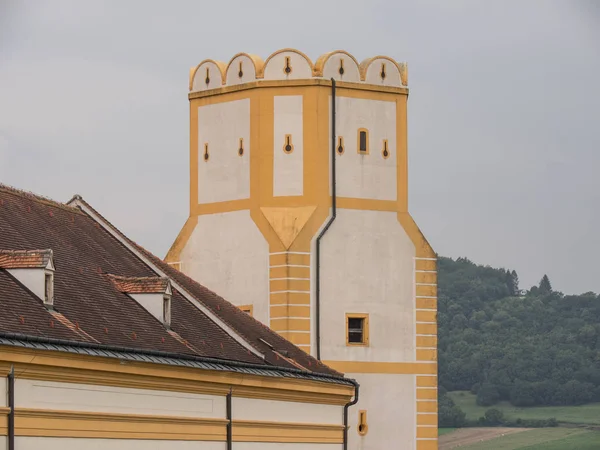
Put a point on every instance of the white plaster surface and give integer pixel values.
(300, 67)
(390, 402)
(284, 446)
(367, 266)
(48, 443)
(3, 391)
(280, 411)
(32, 279)
(109, 399)
(288, 167)
(248, 70)
(366, 176)
(392, 74)
(226, 175)
(3, 442)
(153, 303)
(228, 254)
(199, 82)
(332, 67)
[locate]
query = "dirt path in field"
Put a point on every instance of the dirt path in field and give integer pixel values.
(467, 436)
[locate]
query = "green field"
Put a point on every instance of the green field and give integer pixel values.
(442, 431)
(543, 439)
(585, 414)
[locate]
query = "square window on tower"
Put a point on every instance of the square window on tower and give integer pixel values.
(357, 329)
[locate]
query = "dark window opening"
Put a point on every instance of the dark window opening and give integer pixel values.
(48, 288)
(363, 141)
(356, 327)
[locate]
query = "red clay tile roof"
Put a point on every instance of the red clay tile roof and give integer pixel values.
(84, 253)
(24, 259)
(140, 285)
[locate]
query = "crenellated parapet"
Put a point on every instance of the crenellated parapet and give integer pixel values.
(291, 64)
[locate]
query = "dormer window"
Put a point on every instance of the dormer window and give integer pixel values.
(49, 288)
(167, 310)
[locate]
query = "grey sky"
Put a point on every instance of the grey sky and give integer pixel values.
(504, 129)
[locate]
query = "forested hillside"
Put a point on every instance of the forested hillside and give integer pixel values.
(534, 347)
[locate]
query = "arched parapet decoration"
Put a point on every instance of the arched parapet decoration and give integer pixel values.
(288, 64)
(339, 65)
(209, 74)
(243, 68)
(383, 71)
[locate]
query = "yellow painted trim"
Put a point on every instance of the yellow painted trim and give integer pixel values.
(221, 207)
(402, 70)
(74, 368)
(322, 60)
(288, 324)
(427, 419)
(366, 204)
(427, 432)
(427, 381)
(426, 316)
(289, 272)
(427, 328)
(365, 341)
(425, 264)
(426, 354)
(422, 247)
(4, 421)
(427, 341)
(248, 309)
(427, 445)
(427, 303)
(383, 367)
(426, 277)
(427, 394)
(358, 150)
(293, 259)
(427, 406)
(290, 285)
(297, 338)
(182, 239)
(280, 311)
(426, 290)
(290, 298)
(258, 431)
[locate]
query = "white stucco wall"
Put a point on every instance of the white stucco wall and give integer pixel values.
(3, 391)
(37, 443)
(226, 175)
(229, 255)
(366, 176)
(332, 68)
(367, 266)
(33, 279)
(288, 167)
(300, 67)
(284, 446)
(199, 82)
(153, 303)
(248, 71)
(390, 402)
(109, 399)
(3, 442)
(280, 411)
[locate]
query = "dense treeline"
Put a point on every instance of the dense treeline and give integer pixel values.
(535, 347)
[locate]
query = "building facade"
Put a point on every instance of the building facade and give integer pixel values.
(105, 346)
(299, 216)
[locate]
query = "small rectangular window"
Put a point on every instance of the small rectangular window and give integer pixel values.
(167, 311)
(357, 329)
(48, 289)
(363, 140)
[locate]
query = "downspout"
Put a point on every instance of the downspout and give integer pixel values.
(346, 407)
(327, 225)
(229, 422)
(11, 405)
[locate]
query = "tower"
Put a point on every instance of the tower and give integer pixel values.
(322, 249)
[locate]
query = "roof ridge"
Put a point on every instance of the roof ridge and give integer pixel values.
(38, 198)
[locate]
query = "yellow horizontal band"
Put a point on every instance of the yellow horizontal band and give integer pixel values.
(366, 204)
(221, 207)
(284, 311)
(427, 406)
(296, 337)
(426, 316)
(289, 298)
(289, 285)
(426, 303)
(427, 394)
(427, 328)
(295, 259)
(427, 445)
(427, 381)
(426, 354)
(425, 264)
(427, 341)
(427, 291)
(427, 432)
(383, 367)
(426, 277)
(289, 272)
(286, 324)
(427, 419)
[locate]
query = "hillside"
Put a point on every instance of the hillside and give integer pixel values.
(534, 347)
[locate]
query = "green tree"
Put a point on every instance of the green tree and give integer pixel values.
(487, 395)
(494, 417)
(449, 414)
(545, 287)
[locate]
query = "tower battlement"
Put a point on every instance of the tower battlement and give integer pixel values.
(289, 64)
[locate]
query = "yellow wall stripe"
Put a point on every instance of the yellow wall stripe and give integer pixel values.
(427, 444)
(427, 291)
(427, 406)
(427, 432)
(287, 324)
(294, 298)
(426, 354)
(281, 311)
(426, 316)
(366, 204)
(427, 419)
(427, 328)
(383, 367)
(427, 393)
(427, 381)
(425, 264)
(426, 277)
(294, 259)
(426, 303)
(289, 272)
(427, 341)
(290, 285)
(296, 337)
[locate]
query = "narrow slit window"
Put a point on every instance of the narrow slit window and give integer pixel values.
(207, 79)
(363, 427)
(167, 310)
(240, 70)
(48, 294)
(288, 147)
(241, 148)
(363, 141)
(340, 146)
(357, 326)
(206, 155)
(288, 68)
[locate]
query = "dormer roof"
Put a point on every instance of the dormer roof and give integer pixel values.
(26, 259)
(141, 285)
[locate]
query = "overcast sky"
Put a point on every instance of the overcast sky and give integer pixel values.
(504, 112)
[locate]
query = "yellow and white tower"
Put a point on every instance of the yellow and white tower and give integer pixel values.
(320, 248)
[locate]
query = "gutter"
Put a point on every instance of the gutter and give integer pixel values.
(11, 405)
(327, 225)
(346, 407)
(229, 423)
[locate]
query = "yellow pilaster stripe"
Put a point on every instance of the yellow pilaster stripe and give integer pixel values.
(427, 444)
